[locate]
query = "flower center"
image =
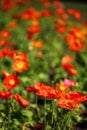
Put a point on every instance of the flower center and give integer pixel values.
(20, 65)
(11, 82)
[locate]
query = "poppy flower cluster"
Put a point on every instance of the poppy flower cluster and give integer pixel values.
(5, 52)
(75, 39)
(66, 85)
(11, 81)
(68, 100)
(75, 13)
(38, 28)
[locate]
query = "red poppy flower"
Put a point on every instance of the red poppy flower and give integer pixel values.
(61, 29)
(77, 15)
(34, 29)
(30, 36)
(46, 91)
(38, 126)
(31, 89)
(20, 2)
(22, 102)
(70, 11)
(71, 101)
(5, 34)
(5, 95)
(4, 43)
(29, 13)
(16, 16)
(77, 96)
(65, 102)
(8, 4)
(11, 81)
(59, 11)
(7, 52)
(46, 13)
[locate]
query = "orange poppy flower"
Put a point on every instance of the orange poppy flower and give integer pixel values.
(61, 87)
(19, 55)
(77, 32)
(5, 73)
(76, 46)
(72, 71)
(65, 16)
(66, 85)
(67, 59)
(35, 22)
(47, 4)
(37, 44)
(20, 65)
(70, 39)
(59, 11)
(39, 54)
(11, 81)
(60, 21)
(75, 39)
(22, 102)
(12, 24)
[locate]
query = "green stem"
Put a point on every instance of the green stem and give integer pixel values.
(52, 112)
(9, 114)
(45, 114)
(67, 118)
